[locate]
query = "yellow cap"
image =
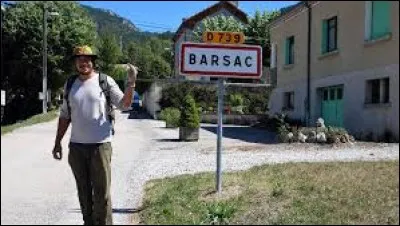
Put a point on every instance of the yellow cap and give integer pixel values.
(84, 51)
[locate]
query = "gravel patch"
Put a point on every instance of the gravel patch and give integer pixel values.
(169, 157)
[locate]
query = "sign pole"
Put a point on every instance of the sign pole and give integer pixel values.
(221, 91)
(219, 60)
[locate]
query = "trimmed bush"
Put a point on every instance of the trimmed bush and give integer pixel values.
(236, 100)
(254, 100)
(171, 116)
(190, 114)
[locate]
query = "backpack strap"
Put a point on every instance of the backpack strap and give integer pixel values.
(70, 82)
(105, 87)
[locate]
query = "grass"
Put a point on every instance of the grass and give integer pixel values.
(295, 193)
(30, 121)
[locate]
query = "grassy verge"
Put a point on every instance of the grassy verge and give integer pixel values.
(30, 121)
(295, 193)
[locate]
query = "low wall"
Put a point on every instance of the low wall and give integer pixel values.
(232, 119)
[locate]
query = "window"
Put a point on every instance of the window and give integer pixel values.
(325, 94)
(289, 55)
(331, 94)
(329, 35)
(339, 93)
(288, 101)
(377, 19)
(377, 91)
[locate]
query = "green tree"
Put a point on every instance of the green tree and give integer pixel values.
(218, 23)
(257, 32)
(189, 114)
(141, 56)
(109, 53)
(160, 68)
(22, 48)
(149, 58)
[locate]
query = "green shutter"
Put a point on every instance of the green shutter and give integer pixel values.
(287, 51)
(380, 19)
(324, 39)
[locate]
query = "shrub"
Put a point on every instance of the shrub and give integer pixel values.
(173, 95)
(171, 116)
(236, 100)
(190, 114)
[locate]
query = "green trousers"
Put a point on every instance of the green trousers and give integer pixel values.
(90, 164)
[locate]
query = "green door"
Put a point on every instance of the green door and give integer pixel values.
(332, 106)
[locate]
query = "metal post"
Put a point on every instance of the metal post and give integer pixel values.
(44, 59)
(221, 91)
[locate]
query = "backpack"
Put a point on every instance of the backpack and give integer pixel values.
(105, 89)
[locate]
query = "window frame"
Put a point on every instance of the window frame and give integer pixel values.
(374, 94)
(288, 100)
(289, 45)
(369, 35)
(328, 27)
(291, 50)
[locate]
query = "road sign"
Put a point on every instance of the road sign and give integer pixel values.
(3, 98)
(223, 37)
(217, 60)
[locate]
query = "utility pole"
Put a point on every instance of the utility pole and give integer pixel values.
(44, 91)
(44, 53)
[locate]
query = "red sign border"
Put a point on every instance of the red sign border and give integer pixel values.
(257, 75)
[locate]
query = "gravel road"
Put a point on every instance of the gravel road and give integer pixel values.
(35, 189)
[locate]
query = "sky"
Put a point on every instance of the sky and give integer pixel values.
(160, 16)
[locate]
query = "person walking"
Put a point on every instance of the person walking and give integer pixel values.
(88, 103)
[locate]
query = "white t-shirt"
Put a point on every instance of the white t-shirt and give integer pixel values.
(90, 123)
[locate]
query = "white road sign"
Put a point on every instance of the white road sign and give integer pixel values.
(216, 60)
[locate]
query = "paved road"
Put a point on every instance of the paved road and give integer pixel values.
(35, 189)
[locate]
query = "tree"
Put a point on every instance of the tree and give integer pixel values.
(149, 57)
(189, 114)
(109, 52)
(160, 68)
(257, 32)
(22, 48)
(218, 23)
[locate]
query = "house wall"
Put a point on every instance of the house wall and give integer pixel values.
(355, 62)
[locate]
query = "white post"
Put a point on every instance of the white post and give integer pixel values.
(44, 86)
(221, 90)
(273, 56)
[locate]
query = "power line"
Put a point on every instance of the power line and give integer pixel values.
(151, 26)
(151, 23)
(246, 37)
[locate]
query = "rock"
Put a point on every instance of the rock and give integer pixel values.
(351, 138)
(321, 123)
(289, 137)
(312, 136)
(343, 139)
(301, 137)
(321, 137)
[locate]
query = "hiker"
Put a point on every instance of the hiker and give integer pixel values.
(87, 105)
